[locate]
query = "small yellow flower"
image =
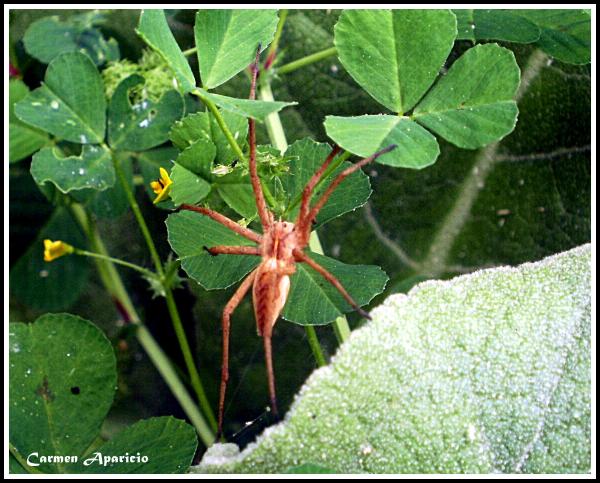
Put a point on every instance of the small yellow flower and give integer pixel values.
(56, 249)
(162, 186)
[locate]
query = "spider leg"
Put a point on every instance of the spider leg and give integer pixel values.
(306, 222)
(232, 250)
(312, 182)
(229, 223)
(270, 372)
(227, 311)
(300, 256)
(261, 205)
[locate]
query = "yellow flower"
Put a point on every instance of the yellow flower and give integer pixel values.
(162, 186)
(56, 249)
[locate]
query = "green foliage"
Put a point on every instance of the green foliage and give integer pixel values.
(562, 34)
(23, 139)
(227, 41)
(63, 376)
(154, 30)
(91, 169)
(49, 37)
(486, 373)
(145, 124)
(187, 186)
(472, 105)
(70, 103)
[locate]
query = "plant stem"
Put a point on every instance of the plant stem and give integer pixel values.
(173, 312)
(133, 266)
(340, 325)
(138, 215)
(189, 359)
(22, 461)
(221, 122)
(315, 346)
(309, 59)
(191, 51)
(275, 44)
(114, 286)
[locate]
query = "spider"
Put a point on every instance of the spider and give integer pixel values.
(281, 246)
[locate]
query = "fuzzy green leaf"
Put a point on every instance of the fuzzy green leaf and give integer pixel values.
(62, 383)
(168, 443)
(472, 105)
(145, 124)
(198, 157)
(227, 41)
(364, 135)
(154, 30)
(70, 104)
(23, 139)
(395, 55)
(497, 24)
(258, 110)
(486, 373)
(93, 169)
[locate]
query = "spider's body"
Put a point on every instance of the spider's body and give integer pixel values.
(281, 246)
(272, 279)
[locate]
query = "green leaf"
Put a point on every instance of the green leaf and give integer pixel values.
(395, 55)
(150, 163)
(145, 124)
(155, 31)
(202, 125)
(363, 282)
(227, 41)
(187, 187)
(566, 34)
(23, 139)
(472, 105)
(238, 194)
(307, 157)
(49, 37)
(93, 169)
(198, 157)
(62, 383)
(309, 469)
(258, 110)
(113, 202)
(365, 135)
(168, 443)
(496, 24)
(55, 285)
(189, 233)
(70, 104)
(486, 373)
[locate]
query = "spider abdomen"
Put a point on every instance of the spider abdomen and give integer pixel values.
(269, 294)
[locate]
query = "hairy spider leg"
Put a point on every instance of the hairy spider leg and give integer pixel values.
(227, 222)
(233, 303)
(302, 257)
(232, 250)
(265, 215)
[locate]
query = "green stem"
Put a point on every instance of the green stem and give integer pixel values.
(275, 44)
(222, 124)
(133, 266)
(114, 286)
(309, 59)
(177, 325)
(189, 359)
(191, 51)
(138, 215)
(315, 346)
(340, 325)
